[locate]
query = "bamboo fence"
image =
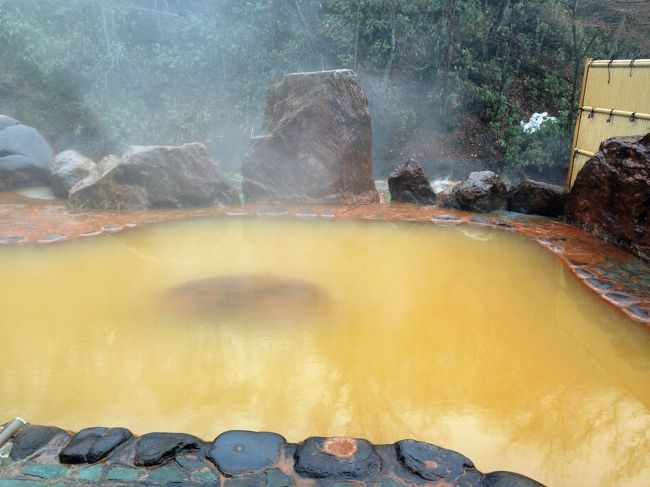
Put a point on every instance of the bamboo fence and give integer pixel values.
(615, 101)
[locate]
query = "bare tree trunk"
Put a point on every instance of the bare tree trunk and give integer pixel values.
(496, 25)
(355, 59)
(451, 19)
(393, 41)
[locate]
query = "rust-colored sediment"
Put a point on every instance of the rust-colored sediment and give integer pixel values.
(340, 447)
(615, 275)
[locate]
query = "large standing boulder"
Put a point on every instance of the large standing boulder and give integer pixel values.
(66, 169)
(24, 154)
(611, 194)
(316, 142)
(409, 184)
(154, 177)
(482, 192)
(537, 198)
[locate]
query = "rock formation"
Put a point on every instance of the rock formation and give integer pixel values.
(533, 197)
(611, 194)
(409, 184)
(482, 192)
(154, 177)
(24, 155)
(316, 142)
(66, 169)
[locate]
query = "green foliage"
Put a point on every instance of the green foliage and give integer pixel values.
(97, 75)
(540, 151)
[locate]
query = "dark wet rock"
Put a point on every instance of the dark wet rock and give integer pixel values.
(156, 448)
(24, 155)
(482, 192)
(537, 198)
(471, 478)
(337, 459)
(30, 439)
(91, 445)
(242, 452)
(66, 169)
(611, 194)
(409, 184)
(431, 462)
(316, 143)
(509, 479)
(155, 177)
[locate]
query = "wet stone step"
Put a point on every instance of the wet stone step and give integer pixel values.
(91, 445)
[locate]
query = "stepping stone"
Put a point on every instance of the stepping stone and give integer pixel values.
(156, 448)
(91, 445)
(431, 462)
(337, 459)
(30, 439)
(242, 452)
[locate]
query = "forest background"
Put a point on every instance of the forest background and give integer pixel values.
(448, 80)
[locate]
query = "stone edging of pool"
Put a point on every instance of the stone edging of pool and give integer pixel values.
(616, 276)
(44, 455)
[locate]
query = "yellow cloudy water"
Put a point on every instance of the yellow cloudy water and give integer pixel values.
(475, 340)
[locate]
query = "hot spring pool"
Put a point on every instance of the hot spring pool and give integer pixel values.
(472, 339)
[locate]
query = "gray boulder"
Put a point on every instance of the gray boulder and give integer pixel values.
(537, 198)
(316, 145)
(66, 169)
(24, 155)
(409, 184)
(6, 121)
(154, 177)
(481, 192)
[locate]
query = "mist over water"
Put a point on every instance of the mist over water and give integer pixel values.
(447, 80)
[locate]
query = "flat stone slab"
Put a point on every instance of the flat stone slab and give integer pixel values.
(337, 458)
(31, 438)
(241, 452)
(156, 448)
(93, 444)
